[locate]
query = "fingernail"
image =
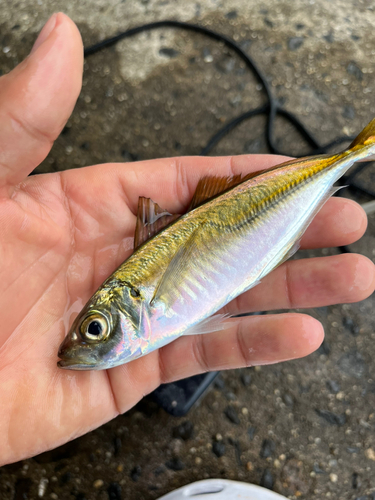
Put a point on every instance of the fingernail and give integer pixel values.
(46, 31)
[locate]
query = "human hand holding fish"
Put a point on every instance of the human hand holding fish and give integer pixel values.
(63, 234)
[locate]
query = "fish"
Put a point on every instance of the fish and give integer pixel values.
(186, 267)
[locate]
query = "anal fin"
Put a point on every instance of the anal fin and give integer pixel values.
(292, 250)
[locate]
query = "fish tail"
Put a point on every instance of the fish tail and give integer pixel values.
(366, 137)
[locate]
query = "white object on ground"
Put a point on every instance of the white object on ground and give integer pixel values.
(222, 489)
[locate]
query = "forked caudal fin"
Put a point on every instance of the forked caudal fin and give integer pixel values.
(366, 137)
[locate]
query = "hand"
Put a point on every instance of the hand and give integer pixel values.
(62, 234)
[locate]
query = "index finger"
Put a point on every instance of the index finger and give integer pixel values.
(171, 183)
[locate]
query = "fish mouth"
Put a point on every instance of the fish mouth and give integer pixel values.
(74, 364)
(72, 357)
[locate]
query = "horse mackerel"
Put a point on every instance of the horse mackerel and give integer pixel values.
(185, 268)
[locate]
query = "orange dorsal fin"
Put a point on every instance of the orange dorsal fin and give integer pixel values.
(210, 186)
(151, 219)
(366, 137)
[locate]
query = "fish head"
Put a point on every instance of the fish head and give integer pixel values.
(105, 333)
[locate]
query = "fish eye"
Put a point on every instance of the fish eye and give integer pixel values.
(94, 327)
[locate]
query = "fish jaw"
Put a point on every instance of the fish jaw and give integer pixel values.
(83, 357)
(67, 365)
(74, 356)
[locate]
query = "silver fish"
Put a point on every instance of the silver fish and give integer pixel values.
(185, 268)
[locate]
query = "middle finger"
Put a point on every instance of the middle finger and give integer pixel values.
(315, 282)
(340, 222)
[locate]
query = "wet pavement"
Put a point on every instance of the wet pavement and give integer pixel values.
(304, 428)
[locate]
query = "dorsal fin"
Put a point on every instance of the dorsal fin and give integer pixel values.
(210, 186)
(150, 220)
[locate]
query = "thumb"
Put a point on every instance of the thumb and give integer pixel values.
(37, 98)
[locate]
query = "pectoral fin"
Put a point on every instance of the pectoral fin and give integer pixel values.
(180, 265)
(214, 323)
(144, 326)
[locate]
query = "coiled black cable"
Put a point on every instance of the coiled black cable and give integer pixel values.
(271, 108)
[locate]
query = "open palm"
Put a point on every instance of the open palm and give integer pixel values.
(62, 234)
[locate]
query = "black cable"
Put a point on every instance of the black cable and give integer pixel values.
(230, 126)
(271, 108)
(286, 114)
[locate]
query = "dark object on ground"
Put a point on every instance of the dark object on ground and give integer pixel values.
(178, 397)
(184, 431)
(332, 418)
(231, 415)
(114, 491)
(268, 448)
(218, 447)
(136, 473)
(175, 464)
(267, 479)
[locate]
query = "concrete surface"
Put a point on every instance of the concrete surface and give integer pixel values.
(304, 428)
